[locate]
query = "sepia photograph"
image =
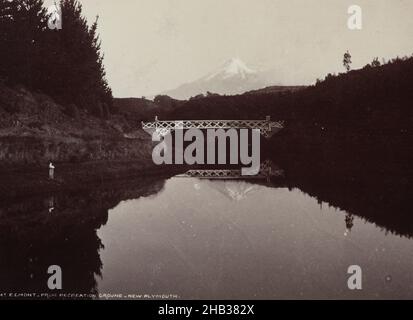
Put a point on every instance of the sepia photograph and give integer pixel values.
(196, 150)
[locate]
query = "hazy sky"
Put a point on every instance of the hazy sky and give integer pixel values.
(154, 45)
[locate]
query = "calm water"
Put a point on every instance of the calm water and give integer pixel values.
(230, 239)
(191, 238)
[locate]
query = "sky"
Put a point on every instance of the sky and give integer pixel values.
(152, 46)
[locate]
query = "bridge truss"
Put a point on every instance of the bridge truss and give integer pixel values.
(267, 127)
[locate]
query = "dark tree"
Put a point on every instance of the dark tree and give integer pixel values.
(6, 36)
(375, 63)
(23, 23)
(347, 61)
(79, 62)
(65, 63)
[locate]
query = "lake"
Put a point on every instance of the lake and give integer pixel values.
(236, 240)
(192, 238)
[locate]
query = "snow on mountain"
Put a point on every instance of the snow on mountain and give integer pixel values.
(233, 77)
(233, 68)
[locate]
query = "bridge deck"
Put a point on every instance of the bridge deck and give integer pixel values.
(266, 127)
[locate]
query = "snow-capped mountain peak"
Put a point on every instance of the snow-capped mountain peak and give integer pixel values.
(234, 67)
(233, 77)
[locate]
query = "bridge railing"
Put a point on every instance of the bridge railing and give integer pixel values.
(267, 127)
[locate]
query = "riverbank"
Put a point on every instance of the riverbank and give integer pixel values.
(86, 150)
(24, 181)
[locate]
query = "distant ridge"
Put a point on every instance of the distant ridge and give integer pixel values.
(276, 89)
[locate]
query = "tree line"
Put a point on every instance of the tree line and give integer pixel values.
(65, 63)
(374, 100)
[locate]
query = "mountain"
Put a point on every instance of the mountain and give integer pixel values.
(233, 77)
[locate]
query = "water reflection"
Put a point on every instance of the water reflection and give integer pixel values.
(59, 230)
(262, 243)
(195, 238)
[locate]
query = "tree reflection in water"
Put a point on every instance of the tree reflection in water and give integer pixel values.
(59, 230)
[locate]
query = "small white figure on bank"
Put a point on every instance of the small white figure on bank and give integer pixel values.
(51, 171)
(51, 204)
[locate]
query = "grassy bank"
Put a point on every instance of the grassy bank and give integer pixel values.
(23, 181)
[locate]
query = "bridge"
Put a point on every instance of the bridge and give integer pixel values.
(267, 127)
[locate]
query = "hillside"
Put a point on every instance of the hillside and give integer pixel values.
(144, 109)
(34, 129)
(276, 89)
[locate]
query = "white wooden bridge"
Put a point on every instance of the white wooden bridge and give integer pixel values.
(267, 127)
